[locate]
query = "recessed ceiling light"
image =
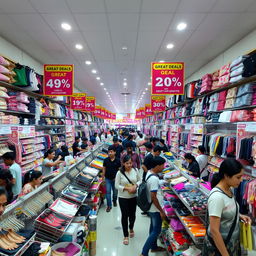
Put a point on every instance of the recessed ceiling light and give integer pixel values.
(124, 48)
(149, 83)
(161, 60)
(146, 89)
(125, 84)
(101, 84)
(169, 46)
(98, 78)
(104, 89)
(181, 26)
(94, 71)
(79, 47)
(88, 62)
(66, 26)
(106, 92)
(125, 79)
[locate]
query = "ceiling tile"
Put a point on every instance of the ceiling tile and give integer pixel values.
(55, 20)
(123, 5)
(92, 22)
(160, 6)
(252, 7)
(101, 49)
(126, 22)
(196, 5)
(192, 19)
(29, 22)
(148, 44)
(232, 5)
(86, 6)
(57, 6)
(152, 21)
(17, 6)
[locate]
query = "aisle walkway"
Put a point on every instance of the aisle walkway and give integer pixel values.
(110, 235)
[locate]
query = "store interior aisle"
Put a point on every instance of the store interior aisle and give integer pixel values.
(110, 235)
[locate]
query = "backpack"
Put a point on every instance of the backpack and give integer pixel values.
(142, 199)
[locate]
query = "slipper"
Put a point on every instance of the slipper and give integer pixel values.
(126, 241)
(132, 234)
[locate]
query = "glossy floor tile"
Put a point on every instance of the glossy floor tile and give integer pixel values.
(110, 235)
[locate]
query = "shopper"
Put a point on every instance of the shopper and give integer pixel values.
(134, 156)
(125, 139)
(84, 145)
(64, 152)
(193, 166)
(48, 163)
(127, 181)
(103, 136)
(155, 141)
(119, 148)
(202, 160)
(3, 200)
(156, 212)
(6, 183)
(223, 231)
(32, 180)
(148, 159)
(111, 165)
(75, 146)
(96, 135)
(163, 145)
(15, 170)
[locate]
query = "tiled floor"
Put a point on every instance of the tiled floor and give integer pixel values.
(110, 235)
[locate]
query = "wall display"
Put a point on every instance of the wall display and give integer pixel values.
(90, 104)
(167, 78)
(78, 101)
(58, 80)
(157, 103)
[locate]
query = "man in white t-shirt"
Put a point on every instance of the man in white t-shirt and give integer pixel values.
(156, 212)
(202, 160)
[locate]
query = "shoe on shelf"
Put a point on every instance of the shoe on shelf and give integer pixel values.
(115, 204)
(158, 249)
(108, 209)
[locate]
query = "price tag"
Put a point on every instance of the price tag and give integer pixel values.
(90, 104)
(58, 80)
(78, 101)
(157, 103)
(167, 78)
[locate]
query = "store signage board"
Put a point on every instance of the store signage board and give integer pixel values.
(143, 113)
(148, 110)
(78, 101)
(167, 78)
(58, 80)
(90, 104)
(158, 103)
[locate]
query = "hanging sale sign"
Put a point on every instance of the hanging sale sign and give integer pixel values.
(78, 101)
(138, 114)
(102, 112)
(109, 115)
(167, 78)
(157, 103)
(148, 110)
(97, 111)
(90, 104)
(58, 80)
(142, 113)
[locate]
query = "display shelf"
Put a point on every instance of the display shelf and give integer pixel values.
(28, 137)
(33, 151)
(41, 127)
(17, 112)
(53, 117)
(196, 240)
(58, 133)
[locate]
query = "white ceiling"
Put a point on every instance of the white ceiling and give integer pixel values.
(103, 27)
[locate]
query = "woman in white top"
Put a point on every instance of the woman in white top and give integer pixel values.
(127, 181)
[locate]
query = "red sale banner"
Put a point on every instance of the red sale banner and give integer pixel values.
(90, 104)
(138, 114)
(167, 78)
(142, 113)
(109, 115)
(58, 80)
(148, 110)
(97, 111)
(78, 101)
(102, 112)
(157, 103)
(113, 116)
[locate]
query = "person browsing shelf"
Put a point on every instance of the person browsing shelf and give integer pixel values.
(48, 163)
(32, 180)
(163, 145)
(193, 166)
(202, 160)
(127, 181)
(75, 146)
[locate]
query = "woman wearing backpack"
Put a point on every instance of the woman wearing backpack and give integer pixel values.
(127, 182)
(222, 237)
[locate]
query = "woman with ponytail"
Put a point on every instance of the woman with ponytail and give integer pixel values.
(32, 180)
(222, 237)
(127, 181)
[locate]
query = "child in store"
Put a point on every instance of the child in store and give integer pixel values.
(32, 180)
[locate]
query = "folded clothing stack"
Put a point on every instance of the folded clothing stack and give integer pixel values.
(206, 84)
(179, 240)
(254, 114)
(215, 80)
(195, 225)
(17, 101)
(230, 98)
(245, 94)
(237, 69)
(8, 119)
(6, 70)
(224, 76)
